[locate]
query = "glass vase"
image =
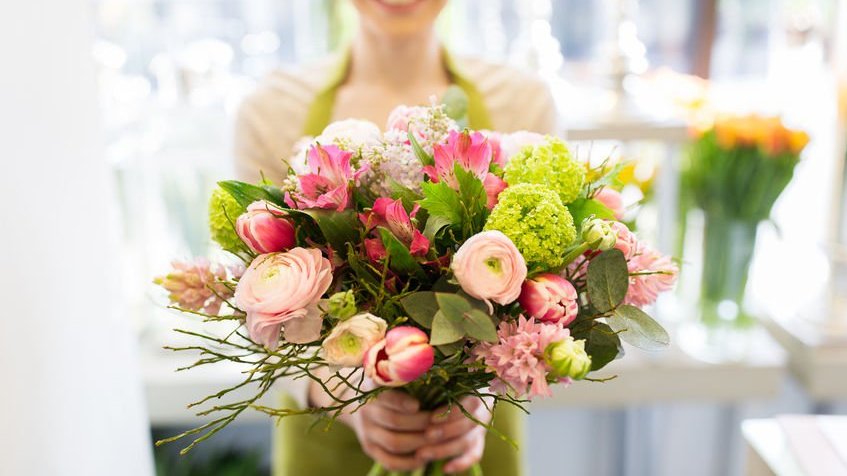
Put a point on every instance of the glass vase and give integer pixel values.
(728, 246)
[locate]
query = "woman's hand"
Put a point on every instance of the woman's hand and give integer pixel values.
(455, 437)
(391, 430)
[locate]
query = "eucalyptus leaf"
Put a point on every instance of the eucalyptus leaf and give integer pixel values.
(421, 307)
(478, 325)
(451, 349)
(603, 345)
(453, 306)
(608, 280)
(445, 330)
(637, 328)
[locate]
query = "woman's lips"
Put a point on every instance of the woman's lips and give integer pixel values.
(399, 5)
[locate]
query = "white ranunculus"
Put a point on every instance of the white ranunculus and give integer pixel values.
(349, 340)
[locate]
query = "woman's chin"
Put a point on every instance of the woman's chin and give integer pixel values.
(399, 7)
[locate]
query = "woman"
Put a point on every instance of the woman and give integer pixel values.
(395, 58)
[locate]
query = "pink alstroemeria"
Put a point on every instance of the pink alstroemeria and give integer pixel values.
(471, 150)
(328, 183)
(493, 186)
(392, 215)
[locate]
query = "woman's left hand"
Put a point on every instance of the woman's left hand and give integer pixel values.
(454, 437)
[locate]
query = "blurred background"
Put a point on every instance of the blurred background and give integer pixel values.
(124, 108)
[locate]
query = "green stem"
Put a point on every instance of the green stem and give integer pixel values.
(476, 470)
(575, 253)
(437, 469)
(376, 470)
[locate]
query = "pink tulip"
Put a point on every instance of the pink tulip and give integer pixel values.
(488, 266)
(392, 215)
(550, 298)
(612, 199)
(265, 228)
(328, 183)
(280, 291)
(401, 357)
(470, 150)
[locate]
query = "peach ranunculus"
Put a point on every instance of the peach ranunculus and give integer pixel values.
(489, 266)
(350, 339)
(280, 291)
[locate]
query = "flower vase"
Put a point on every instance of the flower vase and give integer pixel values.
(728, 246)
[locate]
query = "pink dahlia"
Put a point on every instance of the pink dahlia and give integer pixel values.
(197, 285)
(651, 273)
(518, 358)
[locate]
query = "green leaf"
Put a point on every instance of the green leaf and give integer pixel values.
(421, 154)
(337, 228)
(245, 193)
(451, 349)
(637, 328)
(602, 344)
(608, 280)
(445, 330)
(363, 274)
(478, 325)
(421, 307)
(583, 208)
(442, 201)
(473, 196)
(453, 305)
(400, 259)
(433, 226)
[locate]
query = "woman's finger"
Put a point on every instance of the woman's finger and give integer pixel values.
(390, 461)
(397, 401)
(449, 430)
(453, 412)
(396, 442)
(470, 458)
(449, 448)
(394, 420)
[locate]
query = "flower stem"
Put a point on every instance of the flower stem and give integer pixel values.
(476, 470)
(376, 470)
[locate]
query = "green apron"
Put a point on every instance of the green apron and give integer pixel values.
(303, 446)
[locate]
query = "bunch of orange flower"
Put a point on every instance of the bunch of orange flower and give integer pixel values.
(768, 134)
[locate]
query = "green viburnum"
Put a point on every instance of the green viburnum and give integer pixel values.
(533, 217)
(549, 163)
(221, 223)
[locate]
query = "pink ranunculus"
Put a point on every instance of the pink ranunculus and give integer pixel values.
(550, 298)
(488, 266)
(493, 186)
(470, 150)
(400, 358)
(612, 199)
(281, 290)
(265, 228)
(327, 185)
(517, 359)
(392, 215)
(654, 272)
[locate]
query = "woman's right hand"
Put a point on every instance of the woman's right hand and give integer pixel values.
(391, 429)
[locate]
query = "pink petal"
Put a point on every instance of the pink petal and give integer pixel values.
(306, 329)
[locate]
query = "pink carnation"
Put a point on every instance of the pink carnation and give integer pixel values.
(518, 358)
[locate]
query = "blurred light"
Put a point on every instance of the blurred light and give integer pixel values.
(262, 43)
(108, 55)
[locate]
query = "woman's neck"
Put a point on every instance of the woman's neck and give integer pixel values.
(397, 64)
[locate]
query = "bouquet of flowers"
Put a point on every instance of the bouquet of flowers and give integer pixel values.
(737, 168)
(441, 261)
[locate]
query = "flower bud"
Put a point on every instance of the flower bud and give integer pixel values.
(349, 340)
(403, 356)
(598, 234)
(342, 305)
(265, 228)
(549, 298)
(568, 358)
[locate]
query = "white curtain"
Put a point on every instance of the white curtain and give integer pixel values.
(70, 391)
